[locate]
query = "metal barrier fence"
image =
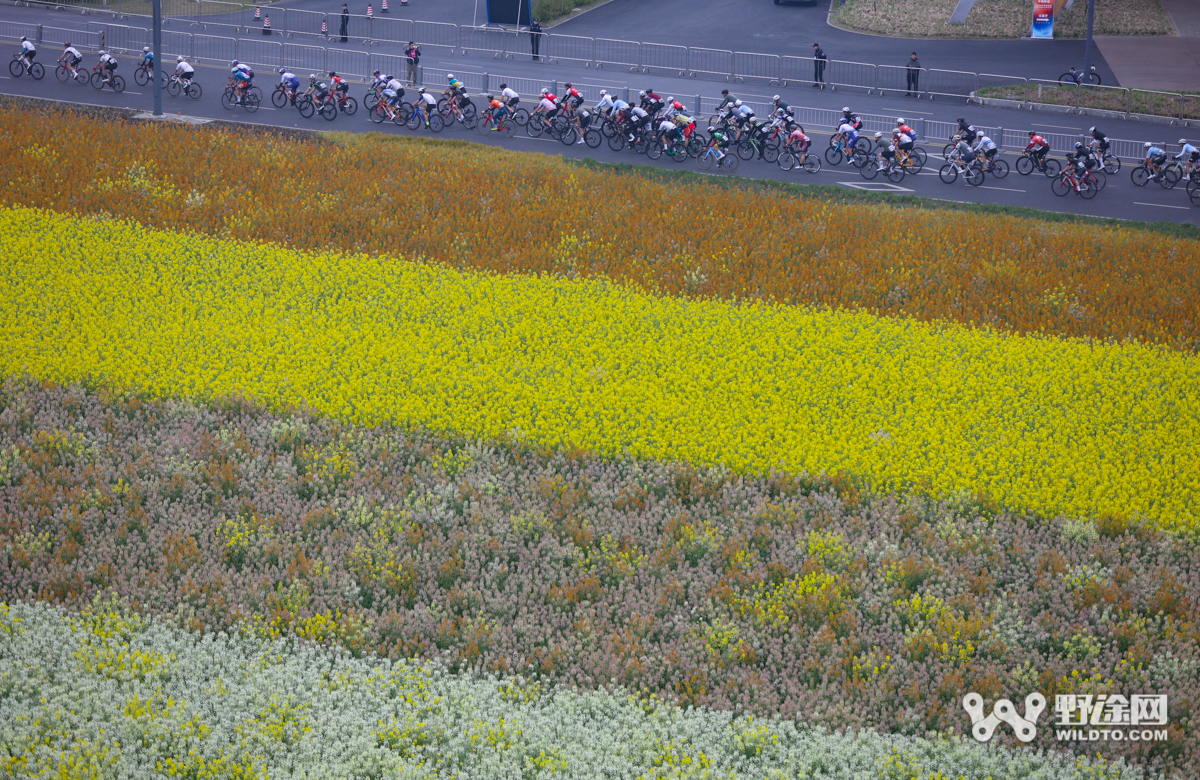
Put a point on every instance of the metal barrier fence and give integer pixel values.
(567, 49)
(664, 58)
(491, 40)
(213, 50)
(762, 67)
(855, 75)
(613, 53)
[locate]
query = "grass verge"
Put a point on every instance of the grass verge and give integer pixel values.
(998, 18)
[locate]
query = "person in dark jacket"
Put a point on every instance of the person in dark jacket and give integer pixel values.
(413, 56)
(345, 23)
(913, 75)
(535, 38)
(818, 67)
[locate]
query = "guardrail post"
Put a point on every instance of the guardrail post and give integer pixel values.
(39, 38)
(420, 74)
(626, 98)
(554, 86)
(920, 128)
(999, 130)
(697, 105)
(487, 83)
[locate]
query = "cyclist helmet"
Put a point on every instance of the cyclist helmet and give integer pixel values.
(642, 93)
(724, 92)
(670, 100)
(568, 85)
(67, 45)
(737, 103)
(712, 129)
(179, 58)
(23, 39)
(233, 64)
(1091, 129)
(775, 99)
(899, 120)
(145, 49)
(450, 76)
(603, 92)
(312, 77)
(845, 109)
(1182, 141)
(1079, 144)
(376, 73)
(1032, 133)
(332, 74)
(491, 96)
(503, 86)
(1148, 144)
(284, 70)
(101, 52)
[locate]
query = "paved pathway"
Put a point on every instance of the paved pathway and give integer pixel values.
(1157, 63)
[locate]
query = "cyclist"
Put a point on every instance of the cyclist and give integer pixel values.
(428, 104)
(904, 137)
(499, 111)
(886, 150)
(573, 97)
(743, 116)
(547, 106)
(1191, 153)
(108, 65)
(241, 77)
(396, 88)
(963, 152)
(987, 146)
(71, 57)
(1039, 147)
(673, 107)
(849, 118)
(638, 117)
(846, 133)
(317, 90)
(798, 141)
(686, 124)
(511, 98)
(652, 102)
(968, 132)
(727, 100)
(903, 127)
(719, 140)
(1155, 157)
(606, 102)
(1099, 142)
(183, 71)
(147, 59)
(339, 87)
(291, 83)
(782, 108)
(28, 52)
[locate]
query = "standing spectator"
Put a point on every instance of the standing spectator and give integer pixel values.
(535, 38)
(345, 23)
(818, 66)
(413, 53)
(913, 75)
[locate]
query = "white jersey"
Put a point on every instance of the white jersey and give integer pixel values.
(619, 105)
(1187, 149)
(184, 69)
(638, 112)
(27, 47)
(286, 77)
(241, 66)
(510, 94)
(72, 51)
(745, 112)
(546, 104)
(605, 102)
(395, 86)
(429, 99)
(666, 125)
(984, 143)
(904, 138)
(846, 128)
(107, 58)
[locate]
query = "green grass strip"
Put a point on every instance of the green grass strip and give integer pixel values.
(1039, 423)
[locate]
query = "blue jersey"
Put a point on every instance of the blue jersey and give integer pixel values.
(1154, 151)
(148, 58)
(620, 105)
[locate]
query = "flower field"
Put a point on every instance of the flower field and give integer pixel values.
(357, 469)
(531, 213)
(1037, 423)
(776, 597)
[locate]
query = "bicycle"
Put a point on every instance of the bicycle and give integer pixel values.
(677, 150)
(98, 80)
(142, 75)
(18, 68)
(308, 105)
(995, 166)
(281, 96)
(1112, 163)
(345, 103)
(1077, 77)
(971, 174)
(870, 169)
(789, 159)
(914, 161)
(465, 107)
(383, 111)
(711, 155)
(63, 73)
(505, 127)
(248, 101)
(766, 150)
(1067, 181)
(839, 149)
(431, 119)
(1141, 175)
(176, 85)
(1026, 163)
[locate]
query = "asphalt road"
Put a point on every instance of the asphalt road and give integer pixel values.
(1120, 198)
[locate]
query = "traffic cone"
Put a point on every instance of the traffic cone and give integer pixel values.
(384, 9)
(370, 13)
(404, 3)
(324, 28)
(267, 25)
(257, 15)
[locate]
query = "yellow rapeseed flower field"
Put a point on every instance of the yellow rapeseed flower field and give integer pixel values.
(1047, 424)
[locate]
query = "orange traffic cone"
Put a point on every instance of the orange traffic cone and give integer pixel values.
(257, 15)
(384, 9)
(369, 12)
(267, 25)
(324, 28)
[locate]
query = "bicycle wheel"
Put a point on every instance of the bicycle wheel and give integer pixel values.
(405, 111)
(859, 158)
(227, 101)
(1194, 196)
(654, 150)
(920, 156)
(62, 74)
(592, 138)
(870, 170)
(1061, 186)
(731, 162)
(521, 117)
(863, 145)
(706, 160)
(97, 80)
(194, 90)
(812, 163)
(251, 102)
(1067, 78)
(535, 127)
(1112, 164)
(697, 144)
(999, 168)
(173, 88)
(413, 121)
(16, 68)
(744, 149)
(642, 144)
(469, 110)
(82, 76)
(141, 76)
(117, 83)
(947, 150)
(470, 122)
(1098, 179)
(1053, 168)
(304, 105)
(350, 106)
(507, 129)
(328, 111)
(1024, 165)
(1139, 176)
(616, 142)
(895, 174)
(37, 71)
(834, 156)
(1087, 190)
(786, 160)
(948, 173)
(974, 176)
(378, 114)
(258, 94)
(1094, 78)
(568, 136)
(1172, 175)
(771, 152)
(436, 124)
(370, 100)
(443, 106)
(279, 97)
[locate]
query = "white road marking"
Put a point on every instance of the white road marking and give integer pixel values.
(1004, 189)
(881, 186)
(1161, 205)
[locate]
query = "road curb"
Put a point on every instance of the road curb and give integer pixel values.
(1054, 108)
